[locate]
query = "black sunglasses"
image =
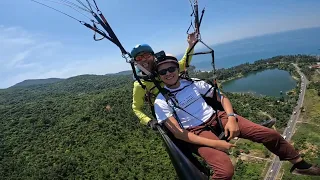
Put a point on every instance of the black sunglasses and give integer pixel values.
(170, 69)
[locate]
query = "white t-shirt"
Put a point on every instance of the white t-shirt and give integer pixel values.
(189, 99)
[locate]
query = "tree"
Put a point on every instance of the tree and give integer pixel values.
(236, 153)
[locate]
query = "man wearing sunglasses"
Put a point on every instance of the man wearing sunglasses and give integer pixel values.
(190, 119)
(144, 56)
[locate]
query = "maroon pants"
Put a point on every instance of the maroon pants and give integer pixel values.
(220, 162)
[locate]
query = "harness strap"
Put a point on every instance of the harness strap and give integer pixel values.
(95, 32)
(136, 76)
(170, 95)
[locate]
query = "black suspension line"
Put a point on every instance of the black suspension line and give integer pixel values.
(75, 5)
(57, 10)
(72, 7)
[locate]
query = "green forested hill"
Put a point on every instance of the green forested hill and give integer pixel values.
(30, 82)
(63, 130)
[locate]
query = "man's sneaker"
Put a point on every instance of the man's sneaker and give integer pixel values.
(314, 170)
(268, 123)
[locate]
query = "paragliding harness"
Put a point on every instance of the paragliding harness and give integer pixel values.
(181, 160)
(211, 101)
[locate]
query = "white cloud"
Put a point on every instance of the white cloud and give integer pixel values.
(18, 58)
(32, 56)
(95, 65)
(22, 51)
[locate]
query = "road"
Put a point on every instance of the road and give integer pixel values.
(287, 134)
(265, 159)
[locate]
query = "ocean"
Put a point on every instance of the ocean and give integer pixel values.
(302, 41)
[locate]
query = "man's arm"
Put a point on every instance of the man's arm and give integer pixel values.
(182, 62)
(138, 102)
(182, 134)
(231, 129)
(191, 41)
(226, 104)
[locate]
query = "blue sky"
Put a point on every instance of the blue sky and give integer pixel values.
(37, 42)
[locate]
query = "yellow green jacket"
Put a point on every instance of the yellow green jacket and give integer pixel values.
(139, 93)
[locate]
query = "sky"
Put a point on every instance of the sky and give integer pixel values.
(37, 42)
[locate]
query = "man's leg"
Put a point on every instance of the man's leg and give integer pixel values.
(270, 138)
(274, 142)
(219, 161)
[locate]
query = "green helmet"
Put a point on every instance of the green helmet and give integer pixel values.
(141, 48)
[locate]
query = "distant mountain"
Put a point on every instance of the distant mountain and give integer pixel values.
(127, 72)
(30, 82)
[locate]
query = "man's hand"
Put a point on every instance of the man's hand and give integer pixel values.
(192, 39)
(232, 127)
(152, 124)
(222, 145)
